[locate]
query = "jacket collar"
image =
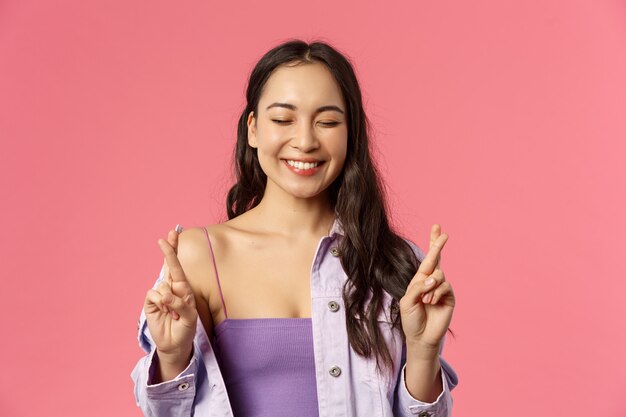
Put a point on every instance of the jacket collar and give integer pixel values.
(336, 228)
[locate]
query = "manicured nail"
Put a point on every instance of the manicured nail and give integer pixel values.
(179, 228)
(429, 281)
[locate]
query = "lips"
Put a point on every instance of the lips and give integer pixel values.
(303, 159)
(304, 172)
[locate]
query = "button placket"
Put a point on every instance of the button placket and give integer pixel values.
(334, 306)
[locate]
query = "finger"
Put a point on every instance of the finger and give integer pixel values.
(441, 291)
(164, 288)
(175, 269)
(172, 238)
(437, 275)
(435, 232)
(154, 302)
(166, 298)
(419, 287)
(439, 278)
(184, 291)
(178, 305)
(429, 263)
(166, 274)
(182, 288)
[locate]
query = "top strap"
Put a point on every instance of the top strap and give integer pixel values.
(215, 268)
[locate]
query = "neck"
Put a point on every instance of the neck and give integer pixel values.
(295, 217)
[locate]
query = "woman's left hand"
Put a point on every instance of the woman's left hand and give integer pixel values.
(426, 310)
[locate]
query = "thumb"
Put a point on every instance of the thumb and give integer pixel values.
(416, 289)
(185, 308)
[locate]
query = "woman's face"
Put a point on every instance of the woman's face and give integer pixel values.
(300, 132)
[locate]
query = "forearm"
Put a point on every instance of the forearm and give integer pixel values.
(168, 367)
(423, 373)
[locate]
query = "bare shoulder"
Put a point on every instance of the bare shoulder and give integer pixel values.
(194, 254)
(195, 259)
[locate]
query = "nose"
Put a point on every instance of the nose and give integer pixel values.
(305, 139)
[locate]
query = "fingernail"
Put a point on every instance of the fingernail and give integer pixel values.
(429, 281)
(179, 228)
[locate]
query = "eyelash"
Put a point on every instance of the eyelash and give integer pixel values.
(282, 122)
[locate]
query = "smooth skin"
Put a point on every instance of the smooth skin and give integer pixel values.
(171, 312)
(426, 311)
(426, 308)
(290, 124)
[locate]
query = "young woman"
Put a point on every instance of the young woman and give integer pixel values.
(308, 303)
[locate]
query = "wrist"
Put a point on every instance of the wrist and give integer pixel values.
(418, 351)
(175, 357)
(169, 366)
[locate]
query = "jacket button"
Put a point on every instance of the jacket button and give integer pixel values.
(394, 308)
(334, 251)
(335, 371)
(333, 306)
(183, 386)
(423, 414)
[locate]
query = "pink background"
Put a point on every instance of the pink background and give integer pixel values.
(502, 121)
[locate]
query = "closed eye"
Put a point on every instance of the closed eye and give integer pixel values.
(282, 122)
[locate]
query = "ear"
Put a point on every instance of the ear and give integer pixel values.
(252, 130)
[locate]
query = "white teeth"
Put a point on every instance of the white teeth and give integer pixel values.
(302, 165)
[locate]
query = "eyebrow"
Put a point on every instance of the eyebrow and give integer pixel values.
(292, 107)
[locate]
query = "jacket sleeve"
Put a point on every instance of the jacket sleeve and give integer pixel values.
(406, 405)
(168, 398)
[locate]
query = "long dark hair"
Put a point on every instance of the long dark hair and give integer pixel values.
(374, 258)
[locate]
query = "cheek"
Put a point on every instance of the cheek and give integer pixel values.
(340, 147)
(339, 162)
(269, 143)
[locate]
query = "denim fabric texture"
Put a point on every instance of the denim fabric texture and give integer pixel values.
(347, 384)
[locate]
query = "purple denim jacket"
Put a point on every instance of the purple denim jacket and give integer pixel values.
(357, 390)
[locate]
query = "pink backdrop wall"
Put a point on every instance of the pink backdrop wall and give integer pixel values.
(502, 121)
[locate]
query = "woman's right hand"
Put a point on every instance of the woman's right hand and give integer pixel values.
(171, 308)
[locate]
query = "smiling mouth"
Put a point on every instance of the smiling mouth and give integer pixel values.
(303, 165)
